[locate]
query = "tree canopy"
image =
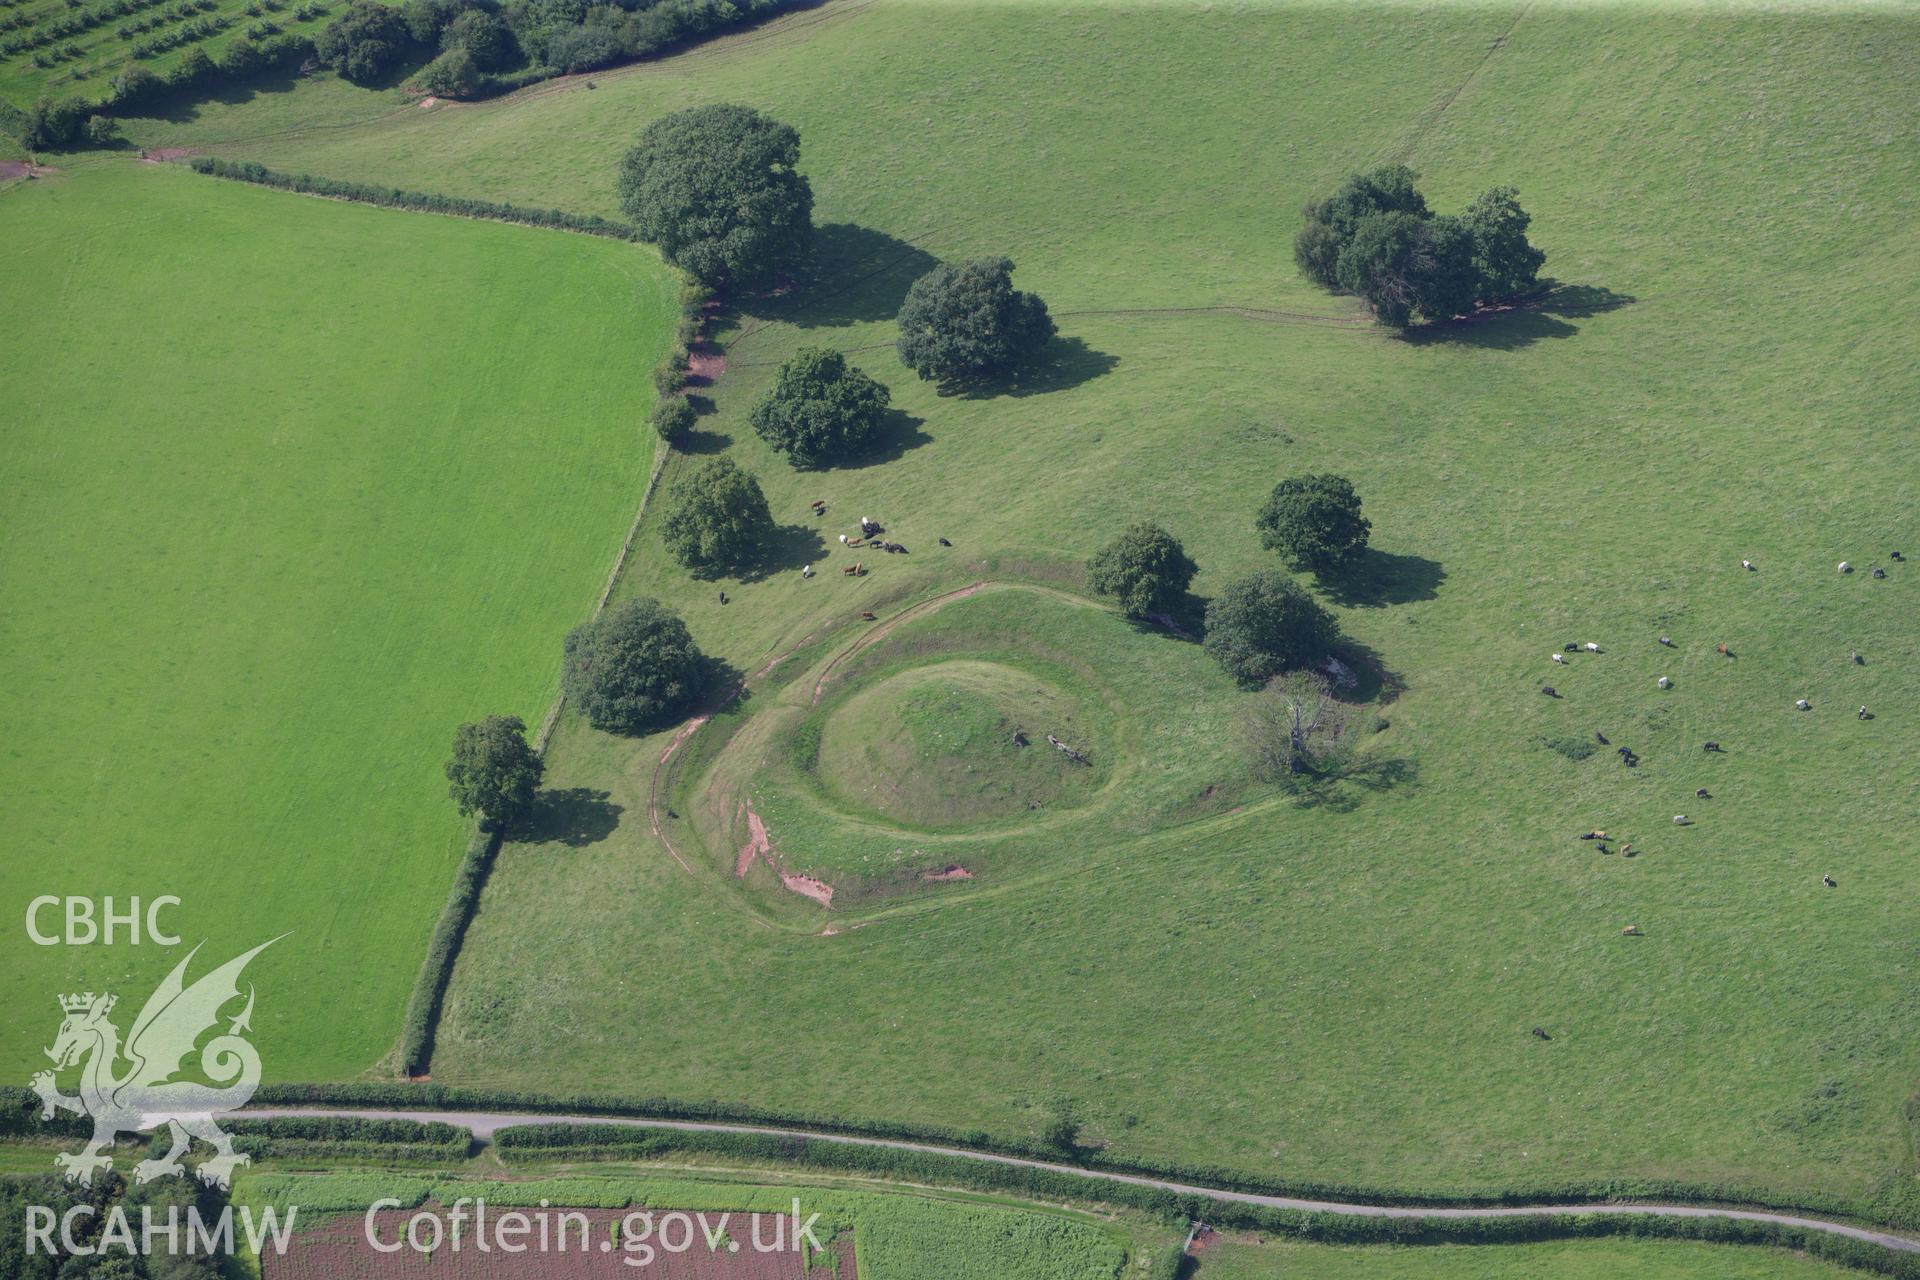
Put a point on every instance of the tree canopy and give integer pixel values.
(1266, 623)
(963, 320)
(1145, 569)
(493, 771)
(821, 409)
(1314, 522)
(715, 187)
(1376, 238)
(1506, 264)
(720, 519)
(363, 43)
(632, 667)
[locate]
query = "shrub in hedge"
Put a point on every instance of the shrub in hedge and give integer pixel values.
(394, 198)
(673, 418)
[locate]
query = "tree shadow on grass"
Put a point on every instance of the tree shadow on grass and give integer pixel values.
(791, 547)
(1062, 364)
(698, 442)
(1373, 681)
(1382, 578)
(1344, 787)
(574, 817)
(851, 275)
(899, 433)
(1186, 620)
(1523, 323)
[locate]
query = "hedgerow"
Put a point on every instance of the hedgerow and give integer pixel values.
(425, 202)
(338, 1137)
(545, 1141)
(582, 1140)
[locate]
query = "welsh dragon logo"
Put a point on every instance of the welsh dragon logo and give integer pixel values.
(144, 1095)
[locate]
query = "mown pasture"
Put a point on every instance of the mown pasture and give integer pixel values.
(1338, 992)
(294, 487)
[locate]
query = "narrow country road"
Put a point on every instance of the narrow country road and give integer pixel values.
(483, 1125)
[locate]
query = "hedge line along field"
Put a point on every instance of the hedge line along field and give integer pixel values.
(1238, 1259)
(1345, 991)
(294, 488)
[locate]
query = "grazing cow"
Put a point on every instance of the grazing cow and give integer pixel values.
(1549, 690)
(1594, 835)
(1592, 647)
(1557, 658)
(1665, 641)
(1802, 704)
(723, 597)
(1845, 567)
(1723, 651)
(1747, 565)
(806, 571)
(1710, 746)
(1571, 647)
(1601, 738)
(843, 539)
(1865, 714)
(1682, 820)
(1879, 573)
(1830, 882)
(1540, 1034)
(1858, 661)
(1898, 556)
(1627, 851)
(1631, 931)
(1602, 848)
(1664, 683)
(1700, 793)
(945, 543)
(866, 616)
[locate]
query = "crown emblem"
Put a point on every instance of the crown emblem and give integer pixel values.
(82, 1001)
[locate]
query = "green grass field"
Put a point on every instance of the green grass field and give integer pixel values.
(1338, 992)
(293, 488)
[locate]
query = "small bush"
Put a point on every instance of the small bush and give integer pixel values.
(673, 418)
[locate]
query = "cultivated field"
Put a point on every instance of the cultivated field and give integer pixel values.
(74, 48)
(867, 1234)
(1342, 988)
(293, 488)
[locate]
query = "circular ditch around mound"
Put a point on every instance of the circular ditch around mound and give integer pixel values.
(962, 743)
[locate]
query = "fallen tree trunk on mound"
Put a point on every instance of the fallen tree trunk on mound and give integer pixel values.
(1072, 755)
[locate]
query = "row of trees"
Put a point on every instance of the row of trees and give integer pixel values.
(486, 44)
(1376, 238)
(718, 190)
(1257, 627)
(631, 669)
(1264, 629)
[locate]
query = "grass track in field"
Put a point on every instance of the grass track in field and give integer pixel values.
(1324, 995)
(293, 488)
